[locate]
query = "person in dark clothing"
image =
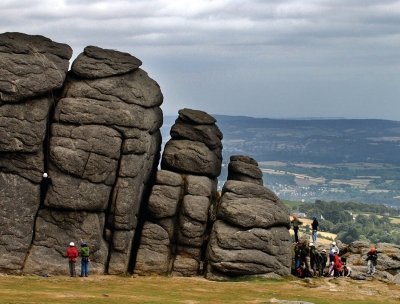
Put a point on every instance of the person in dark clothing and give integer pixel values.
(323, 262)
(314, 226)
(313, 259)
(372, 258)
(305, 255)
(296, 223)
(297, 255)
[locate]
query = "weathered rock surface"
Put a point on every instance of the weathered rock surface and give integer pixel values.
(96, 131)
(32, 70)
(30, 66)
(96, 62)
(180, 201)
(250, 236)
(98, 163)
(245, 169)
(195, 146)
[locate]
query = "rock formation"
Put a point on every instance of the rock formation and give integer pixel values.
(250, 236)
(32, 70)
(95, 130)
(173, 238)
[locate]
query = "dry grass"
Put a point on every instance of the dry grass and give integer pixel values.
(114, 289)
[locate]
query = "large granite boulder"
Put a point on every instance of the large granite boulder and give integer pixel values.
(30, 66)
(103, 151)
(250, 237)
(245, 169)
(32, 70)
(195, 146)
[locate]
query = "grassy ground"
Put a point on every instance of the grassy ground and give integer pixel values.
(115, 289)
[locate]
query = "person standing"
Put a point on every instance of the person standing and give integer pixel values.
(313, 259)
(305, 255)
(323, 262)
(331, 262)
(297, 255)
(334, 247)
(372, 258)
(296, 223)
(72, 254)
(314, 226)
(337, 265)
(84, 252)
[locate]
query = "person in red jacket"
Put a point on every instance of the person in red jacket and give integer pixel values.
(72, 254)
(337, 265)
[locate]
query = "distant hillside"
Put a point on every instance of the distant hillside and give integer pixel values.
(328, 159)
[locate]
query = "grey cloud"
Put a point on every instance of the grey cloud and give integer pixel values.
(275, 57)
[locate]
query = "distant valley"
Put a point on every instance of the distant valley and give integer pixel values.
(324, 159)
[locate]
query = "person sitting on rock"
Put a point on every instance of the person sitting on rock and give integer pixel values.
(372, 258)
(296, 223)
(346, 272)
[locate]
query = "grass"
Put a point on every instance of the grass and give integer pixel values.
(115, 289)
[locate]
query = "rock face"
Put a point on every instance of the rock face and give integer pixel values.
(250, 236)
(174, 237)
(104, 146)
(32, 70)
(95, 130)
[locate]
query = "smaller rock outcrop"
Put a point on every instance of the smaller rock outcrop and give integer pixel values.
(195, 146)
(245, 169)
(250, 236)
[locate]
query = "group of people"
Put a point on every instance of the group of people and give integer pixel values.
(310, 262)
(72, 255)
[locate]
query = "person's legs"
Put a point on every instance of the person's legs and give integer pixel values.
(296, 235)
(314, 236)
(373, 267)
(86, 268)
(82, 268)
(297, 262)
(71, 270)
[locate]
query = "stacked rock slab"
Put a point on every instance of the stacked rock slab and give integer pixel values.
(32, 70)
(250, 236)
(104, 148)
(174, 237)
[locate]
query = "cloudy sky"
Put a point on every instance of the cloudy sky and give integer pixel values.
(276, 59)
